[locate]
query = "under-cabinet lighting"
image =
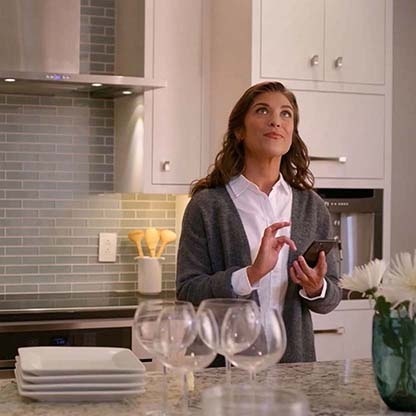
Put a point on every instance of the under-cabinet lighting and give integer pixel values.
(127, 92)
(97, 84)
(9, 79)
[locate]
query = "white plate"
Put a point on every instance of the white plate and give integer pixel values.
(79, 396)
(74, 386)
(46, 361)
(85, 378)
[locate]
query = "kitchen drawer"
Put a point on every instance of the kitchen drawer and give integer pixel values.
(343, 334)
(344, 133)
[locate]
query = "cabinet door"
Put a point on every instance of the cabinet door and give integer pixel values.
(330, 336)
(355, 33)
(177, 109)
(291, 34)
(341, 125)
(343, 334)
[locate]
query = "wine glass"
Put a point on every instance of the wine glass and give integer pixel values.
(144, 326)
(266, 349)
(218, 307)
(178, 344)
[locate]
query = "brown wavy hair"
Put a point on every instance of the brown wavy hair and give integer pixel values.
(230, 161)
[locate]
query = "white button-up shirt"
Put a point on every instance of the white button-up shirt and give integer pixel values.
(257, 211)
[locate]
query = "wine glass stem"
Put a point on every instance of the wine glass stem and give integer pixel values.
(227, 371)
(185, 394)
(165, 391)
(252, 376)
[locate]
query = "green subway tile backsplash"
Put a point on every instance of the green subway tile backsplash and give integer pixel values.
(56, 179)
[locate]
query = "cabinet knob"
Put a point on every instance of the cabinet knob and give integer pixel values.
(315, 60)
(338, 62)
(166, 166)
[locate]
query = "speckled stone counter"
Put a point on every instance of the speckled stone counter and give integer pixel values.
(333, 388)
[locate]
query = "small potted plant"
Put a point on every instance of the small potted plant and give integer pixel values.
(393, 292)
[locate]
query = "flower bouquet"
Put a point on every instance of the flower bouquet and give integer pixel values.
(393, 293)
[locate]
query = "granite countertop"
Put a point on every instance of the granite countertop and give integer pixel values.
(333, 388)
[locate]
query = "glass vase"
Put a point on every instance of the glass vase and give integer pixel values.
(394, 360)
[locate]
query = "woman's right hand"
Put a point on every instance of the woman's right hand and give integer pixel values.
(269, 252)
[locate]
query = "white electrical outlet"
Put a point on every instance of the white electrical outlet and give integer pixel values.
(107, 247)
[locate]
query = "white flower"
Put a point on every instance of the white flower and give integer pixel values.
(364, 278)
(399, 283)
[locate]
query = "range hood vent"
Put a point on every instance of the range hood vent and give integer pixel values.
(40, 52)
(99, 86)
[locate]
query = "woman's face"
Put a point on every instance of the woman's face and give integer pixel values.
(268, 126)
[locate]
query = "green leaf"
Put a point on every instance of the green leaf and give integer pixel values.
(382, 306)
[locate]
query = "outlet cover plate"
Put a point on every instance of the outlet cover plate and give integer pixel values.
(107, 247)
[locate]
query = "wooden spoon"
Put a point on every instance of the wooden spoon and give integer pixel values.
(166, 237)
(136, 236)
(151, 237)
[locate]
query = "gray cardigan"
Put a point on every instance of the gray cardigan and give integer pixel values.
(213, 245)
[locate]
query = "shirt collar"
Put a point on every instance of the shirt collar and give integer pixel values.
(281, 185)
(240, 184)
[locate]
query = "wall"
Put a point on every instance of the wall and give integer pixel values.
(56, 179)
(403, 223)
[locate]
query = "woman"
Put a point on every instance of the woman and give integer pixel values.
(249, 220)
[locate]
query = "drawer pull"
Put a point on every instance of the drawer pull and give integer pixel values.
(337, 331)
(339, 159)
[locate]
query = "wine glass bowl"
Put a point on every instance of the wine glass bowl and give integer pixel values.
(145, 319)
(195, 356)
(176, 329)
(145, 328)
(266, 348)
(178, 344)
(240, 328)
(218, 308)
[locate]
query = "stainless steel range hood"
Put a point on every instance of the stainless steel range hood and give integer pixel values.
(40, 53)
(100, 86)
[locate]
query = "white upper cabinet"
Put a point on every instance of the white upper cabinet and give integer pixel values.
(323, 40)
(160, 135)
(334, 55)
(292, 39)
(355, 37)
(176, 126)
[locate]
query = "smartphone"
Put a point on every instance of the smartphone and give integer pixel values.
(312, 252)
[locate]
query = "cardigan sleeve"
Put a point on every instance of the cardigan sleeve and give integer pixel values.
(333, 293)
(200, 246)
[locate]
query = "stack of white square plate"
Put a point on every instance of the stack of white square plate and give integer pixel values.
(78, 373)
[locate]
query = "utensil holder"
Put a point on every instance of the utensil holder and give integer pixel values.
(149, 275)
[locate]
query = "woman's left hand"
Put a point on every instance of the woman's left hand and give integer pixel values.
(311, 279)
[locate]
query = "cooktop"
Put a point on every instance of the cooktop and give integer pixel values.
(73, 305)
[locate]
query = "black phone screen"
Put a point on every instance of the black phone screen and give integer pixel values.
(312, 252)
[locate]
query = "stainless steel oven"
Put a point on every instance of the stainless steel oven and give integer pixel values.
(357, 217)
(77, 319)
(78, 332)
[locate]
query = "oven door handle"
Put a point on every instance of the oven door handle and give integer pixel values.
(64, 324)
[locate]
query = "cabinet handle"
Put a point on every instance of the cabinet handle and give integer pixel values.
(166, 166)
(338, 62)
(315, 60)
(339, 159)
(337, 331)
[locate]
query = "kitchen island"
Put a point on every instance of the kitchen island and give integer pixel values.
(333, 388)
